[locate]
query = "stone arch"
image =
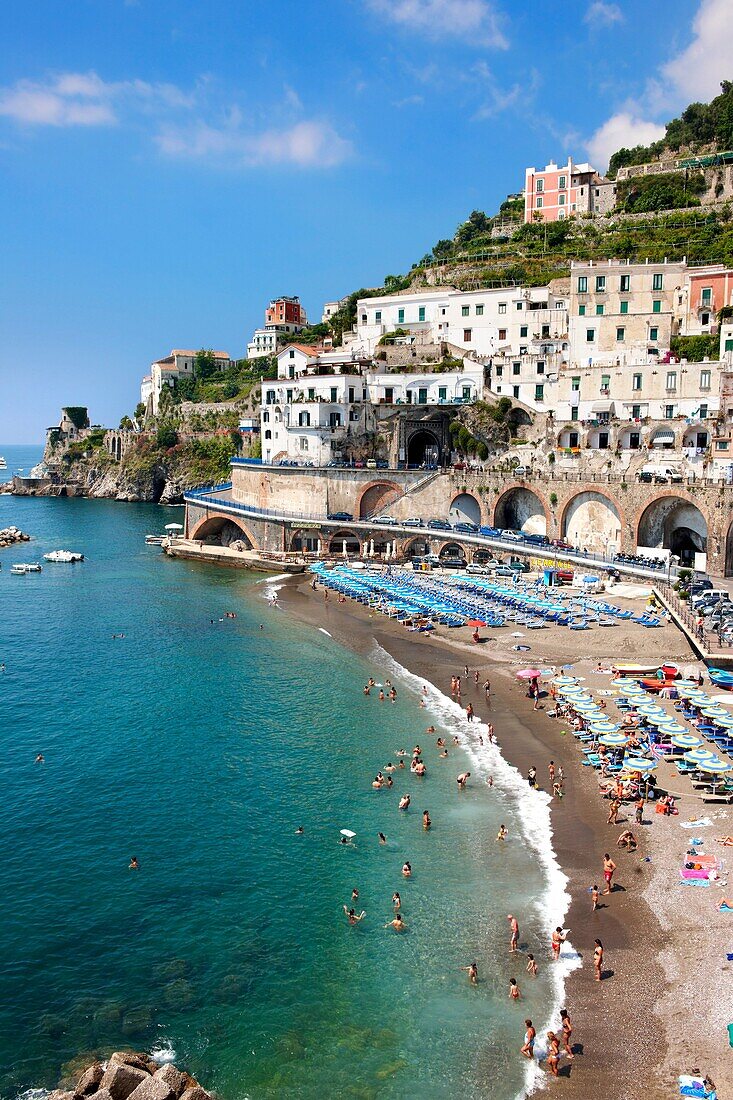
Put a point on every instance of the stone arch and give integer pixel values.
(336, 542)
(306, 539)
(673, 523)
(416, 547)
(728, 565)
(375, 497)
(522, 510)
(222, 531)
(452, 549)
(424, 448)
(465, 508)
(592, 521)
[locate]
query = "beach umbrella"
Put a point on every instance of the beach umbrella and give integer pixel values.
(715, 712)
(174, 526)
(613, 740)
(725, 722)
(726, 699)
(477, 622)
(643, 767)
(696, 756)
(528, 674)
(683, 685)
(624, 682)
(673, 729)
(603, 727)
(650, 708)
(686, 741)
(564, 681)
(715, 766)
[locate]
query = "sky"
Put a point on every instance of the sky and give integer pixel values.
(167, 166)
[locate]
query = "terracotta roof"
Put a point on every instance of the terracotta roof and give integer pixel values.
(309, 349)
(216, 354)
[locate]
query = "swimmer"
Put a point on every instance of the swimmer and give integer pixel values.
(462, 780)
(352, 916)
(440, 742)
(502, 834)
(407, 869)
(389, 782)
(134, 865)
(472, 972)
(401, 752)
(531, 965)
(456, 740)
(404, 802)
(529, 1037)
(396, 902)
(443, 755)
(366, 689)
(514, 991)
(401, 764)
(40, 759)
(382, 838)
(390, 767)
(416, 751)
(426, 822)
(371, 682)
(490, 781)
(381, 696)
(299, 831)
(398, 924)
(430, 729)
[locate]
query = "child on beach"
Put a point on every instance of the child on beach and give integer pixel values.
(531, 965)
(594, 898)
(514, 991)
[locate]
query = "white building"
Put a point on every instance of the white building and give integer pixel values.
(179, 364)
(266, 341)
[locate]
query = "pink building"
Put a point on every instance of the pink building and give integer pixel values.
(558, 192)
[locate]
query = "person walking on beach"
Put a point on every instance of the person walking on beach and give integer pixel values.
(529, 1037)
(514, 933)
(532, 777)
(593, 899)
(469, 712)
(640, 810)
(567, 1031)
(476, 677)
(487, 689)
(472, 972)
(556, 942)
(613, 812)
(608, 868)
(598, 960)
(553, 1052)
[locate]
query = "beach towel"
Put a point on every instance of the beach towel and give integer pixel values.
(694, 1086)
(696, 882)
(724, 908)
(698, 823)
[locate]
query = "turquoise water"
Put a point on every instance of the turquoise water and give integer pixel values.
(199, 748)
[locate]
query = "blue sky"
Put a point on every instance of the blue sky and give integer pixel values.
(168, 165)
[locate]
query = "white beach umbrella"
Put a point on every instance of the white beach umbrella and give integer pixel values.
(715, 766)
(686, 741)
(624, 682)
(696, 756)
(670, 728)
(174, 526)
(643, 767)
(613, 740)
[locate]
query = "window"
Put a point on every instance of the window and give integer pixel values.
(400, 316)
(562, 184)
(266, 417)
(541, 367)
(669, 412)
(671, 379)
(600, 284)
(582, 284)
(539, 392)
(268, 434)
(728, 345)
(545, 333)
(466, 393)
(502, 307)
(422, 396)
(465, 310)
(389, 394)
(657, 282)
(351, 393)
(311, 394)
(705, 319)
(722, 445)
(378, 315)
(581, 311)
(292, 354)
(479, 311)
(657, 306)
(624, 307)
(466, 335)
(703, 412)
(502, 334)
(304, 420)
(605, 381)
(421, 313)
(704, 379)
(539, 202)
(575, 384)
(523, 329)
(289, 395)
(636, 382)
(354, 415)
(442, 393)
(499, 372)
(540, 185)
(706, 296)
(653, 334)
(334, 393)
(574, 410)
(516, 368)
(270, 399)
(620, 335)
(636, 412)
(625, 284)
(515, 391)
(303, 443)
(519, 305)
(590, 335)
(599, 310)
(561, 200)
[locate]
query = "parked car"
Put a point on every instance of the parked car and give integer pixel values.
(382, 464)
(453, 563)
(386, 519)
(413, 522)
(335, 462)
(675, 477)
(468, 528)
(439, 525)
(521, 471)
(537, 540)
(346, 516)
(490, 532)
(561, 544)
(503, 571)
(512, 536)
(478, 570)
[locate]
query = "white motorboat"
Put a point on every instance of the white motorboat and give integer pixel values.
(63, 556)
(21, 568)
(155, 540)
(3, 463)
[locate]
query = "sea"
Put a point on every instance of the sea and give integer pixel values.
(198, 743)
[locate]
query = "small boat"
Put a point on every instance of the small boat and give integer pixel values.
(155, 540)
(3, 463)
(63, 556)
(721, 678)
(21, 568)
(630, 668)
(653, 684)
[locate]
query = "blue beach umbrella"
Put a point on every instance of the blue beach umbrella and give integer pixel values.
(715, 766)
(613, 740)
(686, 741)
(695, 756)
(565, 681)
(672, 728)
(644, 767)
(603, 727)
(624, 682)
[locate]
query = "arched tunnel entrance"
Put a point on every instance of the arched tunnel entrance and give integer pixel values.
(424, 449)
(591, 521)
(221, 531)
(674, 524)
(521, 510)
(465, 509)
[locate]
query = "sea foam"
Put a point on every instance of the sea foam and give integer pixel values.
(533, 810)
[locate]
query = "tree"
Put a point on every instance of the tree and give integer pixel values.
(166, 436)
(126, 424)
(204, 365)
(140, 410)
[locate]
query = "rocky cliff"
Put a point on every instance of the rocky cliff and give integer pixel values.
(129, 1075)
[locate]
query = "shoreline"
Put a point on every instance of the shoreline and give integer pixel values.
(626, 1022)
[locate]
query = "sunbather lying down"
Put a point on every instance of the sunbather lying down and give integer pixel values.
(725, 903)
(727, 840)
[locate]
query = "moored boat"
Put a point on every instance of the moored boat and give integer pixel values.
(632, 668)
(155, 540)
(63, 556)
(21, 568)
(721, 678)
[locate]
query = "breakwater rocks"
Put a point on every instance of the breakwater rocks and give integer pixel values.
(11, 535)
(129, 1075)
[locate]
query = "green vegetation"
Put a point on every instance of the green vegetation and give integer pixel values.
(79, 447)
(233, 384)
(390, 336)
(166, 435)
(78, 415)
(345, 318)
(665, 191)
(695, 348)
(700, 124)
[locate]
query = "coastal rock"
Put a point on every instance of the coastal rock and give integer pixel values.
(152, 1088)
(121, 1079)
(172, 1077)
(89, 1080)
(60, 1094)
(133, 1058)
(196, 1093)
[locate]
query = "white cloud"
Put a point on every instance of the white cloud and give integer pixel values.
(621, 131)
(307, 144)
(693, 74)
(84, 99)
(474, 21)
(409, 101)
(603, 14)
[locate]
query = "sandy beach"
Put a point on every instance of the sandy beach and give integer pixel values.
(661, 1009)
